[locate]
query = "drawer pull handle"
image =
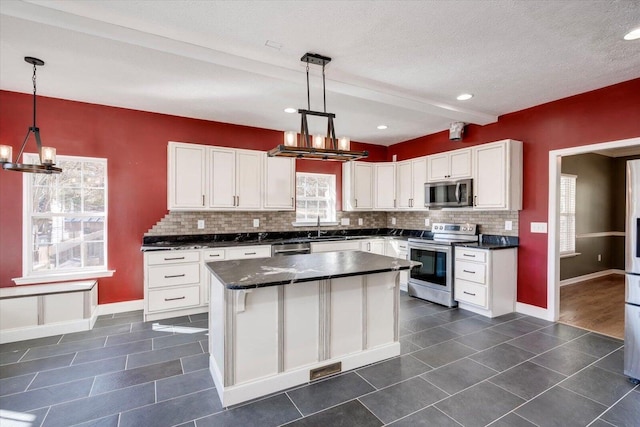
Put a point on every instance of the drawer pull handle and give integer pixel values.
(213, 255)
(470, 256)
(468, 293)
(175, 299)
(174, 258)
(470, 272)
(174, 276)
(249, 253)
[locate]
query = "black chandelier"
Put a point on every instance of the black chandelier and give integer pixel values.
(47, 155)
(327, 148)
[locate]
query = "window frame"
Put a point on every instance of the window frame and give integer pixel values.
(29, 275)
(572, 251)
(334, 202)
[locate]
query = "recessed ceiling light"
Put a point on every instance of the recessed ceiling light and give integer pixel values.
(382, 127)
(633, 35)
(290, 110)
(464, 97)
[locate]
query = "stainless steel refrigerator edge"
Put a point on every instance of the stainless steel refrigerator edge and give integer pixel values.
(632, 276)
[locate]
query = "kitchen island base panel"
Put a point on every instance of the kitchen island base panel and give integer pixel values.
(267, 339)
(240, 393)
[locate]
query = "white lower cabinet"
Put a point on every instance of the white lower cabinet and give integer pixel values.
(177, 282)
(486, 280)
(375, 246)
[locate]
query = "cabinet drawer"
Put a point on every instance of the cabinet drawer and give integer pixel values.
(213, 255)
(471, 293)
(471, 255)
(474, 272)
(169, 275)
(171, 299)
(249, 252)
(172, 257)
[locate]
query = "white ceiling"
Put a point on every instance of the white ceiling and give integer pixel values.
(399, 63)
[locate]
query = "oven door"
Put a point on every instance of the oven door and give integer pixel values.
(435, 270)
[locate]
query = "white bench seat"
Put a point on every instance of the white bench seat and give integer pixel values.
(35, 311)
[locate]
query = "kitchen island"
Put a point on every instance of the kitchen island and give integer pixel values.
(278, 322)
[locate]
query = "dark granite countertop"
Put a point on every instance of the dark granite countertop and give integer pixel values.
(262, 272)
(204, 241)
(493, 242)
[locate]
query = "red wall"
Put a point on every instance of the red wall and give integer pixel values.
(135, 144)
(603, 115)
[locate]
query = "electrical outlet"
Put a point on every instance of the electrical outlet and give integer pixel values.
(393, 220)
(427, 222)
(201, 224)
(539, 227)
(508, 225)
(599, 257)
(256, 222)
(344, 221)
(360, 221)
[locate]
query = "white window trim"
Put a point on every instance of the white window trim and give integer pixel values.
(315, 223)
(51, 276)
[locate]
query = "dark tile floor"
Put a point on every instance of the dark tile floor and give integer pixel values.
(457, 368)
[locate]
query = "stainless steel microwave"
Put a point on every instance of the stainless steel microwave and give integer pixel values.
(448, 194)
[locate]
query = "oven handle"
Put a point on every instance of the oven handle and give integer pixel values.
(436, 248)
(458, 193)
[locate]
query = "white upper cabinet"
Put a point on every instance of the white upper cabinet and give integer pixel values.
(186, 170)
(222, 178)
(411, 176)
(357, 186)
(450, 165)
(249, 179)
(203, 177)
(385, 186)
(497, 180)
(280, 183)
(235, 179)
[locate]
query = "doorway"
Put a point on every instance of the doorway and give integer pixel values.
(628, 147)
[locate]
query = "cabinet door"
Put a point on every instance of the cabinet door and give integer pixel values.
(280, 183)
(438, 167)
(186, 176)
(363, 185)
(419, 178)
(385, 186)
(222, 178)
(460, 164)
(404, 184)
(249, 179)
(490, 183)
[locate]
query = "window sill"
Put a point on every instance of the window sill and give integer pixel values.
(63, 277)
(314, 224)
(570, 254)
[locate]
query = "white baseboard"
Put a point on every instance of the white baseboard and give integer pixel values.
(590, 276)
(534, 311)
(47, 330)
(120, 307)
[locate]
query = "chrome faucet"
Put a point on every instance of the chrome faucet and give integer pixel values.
(318, 225)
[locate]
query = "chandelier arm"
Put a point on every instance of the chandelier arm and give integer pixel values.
(36, 133)
(324, 91)
(23, 145)
(308, 97)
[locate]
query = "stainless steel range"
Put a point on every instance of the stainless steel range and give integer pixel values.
(433, 281)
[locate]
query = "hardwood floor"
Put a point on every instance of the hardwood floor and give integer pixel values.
(596, 305)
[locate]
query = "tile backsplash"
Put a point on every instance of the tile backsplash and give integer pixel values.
(177, 223)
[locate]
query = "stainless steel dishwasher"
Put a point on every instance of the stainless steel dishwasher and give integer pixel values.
(279, 249)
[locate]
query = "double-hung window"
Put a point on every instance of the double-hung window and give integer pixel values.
(315, 198)
(567, 214)
(65, 219)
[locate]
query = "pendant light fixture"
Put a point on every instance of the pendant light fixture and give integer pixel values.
(47, 155)
(314, 147)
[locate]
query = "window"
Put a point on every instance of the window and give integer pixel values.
(567, 214)
(65, 218)
(315, 197)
